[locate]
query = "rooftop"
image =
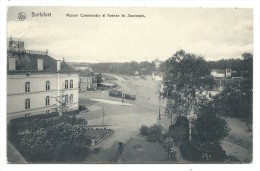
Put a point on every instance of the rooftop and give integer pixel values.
(26, 62)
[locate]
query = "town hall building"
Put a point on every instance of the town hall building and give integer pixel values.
(36, 83)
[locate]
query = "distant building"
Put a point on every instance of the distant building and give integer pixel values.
(221, 73)
(82, 68)
(157, 63)
(157, 76)
(34, 79)
(86, 80)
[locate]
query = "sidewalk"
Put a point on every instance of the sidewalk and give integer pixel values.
(13, 155)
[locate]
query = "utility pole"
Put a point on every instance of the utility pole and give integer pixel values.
(159, 117)
(103, 115)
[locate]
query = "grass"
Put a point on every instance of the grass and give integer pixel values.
(142, 151)
(105, 156)
(98, 134)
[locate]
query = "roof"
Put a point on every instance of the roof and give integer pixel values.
(218, 71)
(28, 62)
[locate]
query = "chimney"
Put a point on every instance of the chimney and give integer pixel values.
(11, 64)
(58, 65)
(40, 64)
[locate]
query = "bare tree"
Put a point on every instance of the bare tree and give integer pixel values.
(62, 102)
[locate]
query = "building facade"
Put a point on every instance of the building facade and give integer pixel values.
(35, 89)
(221, 73)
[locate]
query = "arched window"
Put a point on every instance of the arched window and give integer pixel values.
(71, 98)
(66, 84)
(27, 104)
(71, 83)
(47, 85)
(66, 99)
(27, 87)
(47, 101)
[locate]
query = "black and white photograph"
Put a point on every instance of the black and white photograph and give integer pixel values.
(129, 85)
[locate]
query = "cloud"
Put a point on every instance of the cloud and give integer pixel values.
(213, 33)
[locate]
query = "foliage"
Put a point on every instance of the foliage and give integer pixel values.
(208, 126)
(234, 64)
(99, 80)
(231, 159)
(127, 68)
(61, 106)
(61, 142)
(155, 133)
(180, 130)
(152, 133)
(237, 100)
(143, 130)
(186, 77)
(203, 151)
(82, 108)
(27, 125)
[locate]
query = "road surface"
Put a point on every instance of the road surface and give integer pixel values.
(124, 118)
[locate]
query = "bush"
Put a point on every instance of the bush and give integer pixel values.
(54, 144)
(203, 151)
(143, 130)
(88, 141)
(180, 130)
(190, 151)
(231, 159)
(155, 133)
(82, 108)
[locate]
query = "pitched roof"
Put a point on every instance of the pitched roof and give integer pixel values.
(28, 62)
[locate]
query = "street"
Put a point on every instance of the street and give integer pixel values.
(124, 118)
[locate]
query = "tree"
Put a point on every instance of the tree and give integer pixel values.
(61, 104)
(236, 100)
(99, 80)
(180, 130)
(186, 79)
(209, 127)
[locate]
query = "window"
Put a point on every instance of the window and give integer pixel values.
(27, 87)
(47, 85)
(66, 99)
(48, 111)
(27, 115)
(47, 101)
(66, 84)
(71, 98)
(71, 83)
(27, 104)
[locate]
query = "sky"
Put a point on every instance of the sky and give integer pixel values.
(215, 33)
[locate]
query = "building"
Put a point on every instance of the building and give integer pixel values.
(86, 80)
(157, 63)
(35, 80)
(157, 76)
(221, 73)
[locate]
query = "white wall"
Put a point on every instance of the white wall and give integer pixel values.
(16, 94)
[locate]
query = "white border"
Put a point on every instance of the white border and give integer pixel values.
(154, 3)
